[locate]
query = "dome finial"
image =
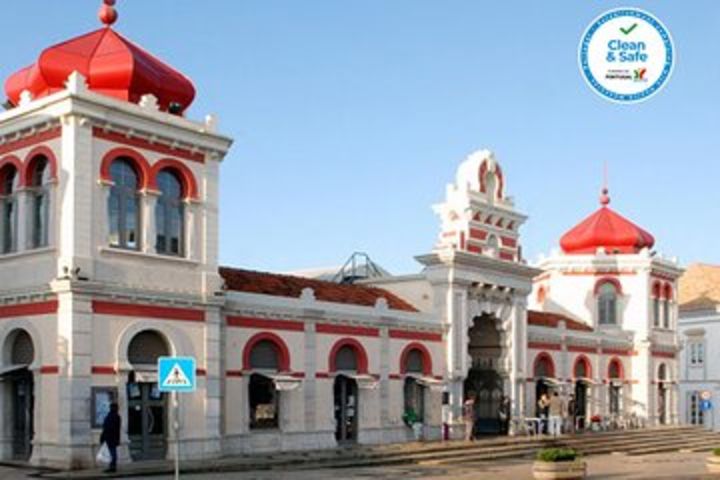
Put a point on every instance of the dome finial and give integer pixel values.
(107, 14)
(604, 197)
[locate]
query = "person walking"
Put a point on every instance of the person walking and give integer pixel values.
(111, 435)
(469, 417)
(556, 409)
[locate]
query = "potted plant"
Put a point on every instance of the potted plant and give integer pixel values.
(595, 423)
(412, 420)
(713, 461)
(558, 463)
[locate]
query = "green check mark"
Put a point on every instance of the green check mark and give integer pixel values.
(629, 29)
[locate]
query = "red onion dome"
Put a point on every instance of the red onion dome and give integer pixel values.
(608, 230)
(113, 66)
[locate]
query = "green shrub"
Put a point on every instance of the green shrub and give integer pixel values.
(557, 455)
(716, 451)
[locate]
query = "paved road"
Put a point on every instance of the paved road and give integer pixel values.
(677, 466)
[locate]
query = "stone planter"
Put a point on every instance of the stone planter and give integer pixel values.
(559, 470)
(712, 463)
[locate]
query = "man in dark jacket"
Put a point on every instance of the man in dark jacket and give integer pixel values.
(111, 435)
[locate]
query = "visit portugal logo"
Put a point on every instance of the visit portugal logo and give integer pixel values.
(626, 55)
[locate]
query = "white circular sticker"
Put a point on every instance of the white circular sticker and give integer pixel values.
(626, 55)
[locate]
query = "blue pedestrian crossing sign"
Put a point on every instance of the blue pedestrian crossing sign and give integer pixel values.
(705, 405)
(176, 374)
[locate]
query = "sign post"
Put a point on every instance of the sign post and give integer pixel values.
(176, 374)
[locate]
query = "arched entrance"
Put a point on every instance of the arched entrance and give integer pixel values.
(17, 381)
(484, 379)
(662, 394)
(345, 395)
(147, 406)
(544, 374)
(582, 374)
(615, 380)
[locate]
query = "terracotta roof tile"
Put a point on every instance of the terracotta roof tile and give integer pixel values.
(290, 286)
(700, 287)
(550, 320)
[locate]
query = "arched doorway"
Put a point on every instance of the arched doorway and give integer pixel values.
(262, 390)
(544, 374)
(147, 405)
(615, 381)
(662, 394)
(413, 390)
(345, 395)
(484, 379)
(582, 374)
(17, 380)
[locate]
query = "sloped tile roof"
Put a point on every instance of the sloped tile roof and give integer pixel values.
(549, 319)
(700, 287)
(251, 281)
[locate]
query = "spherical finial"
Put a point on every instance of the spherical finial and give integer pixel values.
(604, 197)
(107, 14)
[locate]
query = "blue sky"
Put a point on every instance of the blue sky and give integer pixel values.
(350, 117)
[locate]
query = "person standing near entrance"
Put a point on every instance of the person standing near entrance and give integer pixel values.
(111, 435)
(556, 410)
(469, 417)
(504, 415)
(572, 413)
(543, 405)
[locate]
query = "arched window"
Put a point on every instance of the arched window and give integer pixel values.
(262, 390)
(582, 368)
(346, 360)
(543, 367)
(145, 348)
(124, 205)
(414, 362)
(40, 202)
(169, 215)
(656, 305)
(264, 356)
(9, 183)
(607, 304)
(614, 370)
(22, 351)
(666, 305)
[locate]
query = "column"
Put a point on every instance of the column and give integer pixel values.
(214, 368)
(193, 231)
(74, 443)
(310, 383)
(148, 234)
(23, 220)
(385, 397)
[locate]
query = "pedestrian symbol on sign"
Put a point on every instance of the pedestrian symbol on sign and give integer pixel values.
(176, 374)
(176, 378)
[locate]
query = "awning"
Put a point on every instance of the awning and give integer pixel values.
(551, 381)
(284, 383)
(364, 381)
(146, 376)
(11, 368)
(433, 384)
(589, 381)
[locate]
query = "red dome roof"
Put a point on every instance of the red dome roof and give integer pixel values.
(606, 229)
(112, 65)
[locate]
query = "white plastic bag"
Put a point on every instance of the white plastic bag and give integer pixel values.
(103, 455)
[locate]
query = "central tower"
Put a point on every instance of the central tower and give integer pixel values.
(480, 285)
